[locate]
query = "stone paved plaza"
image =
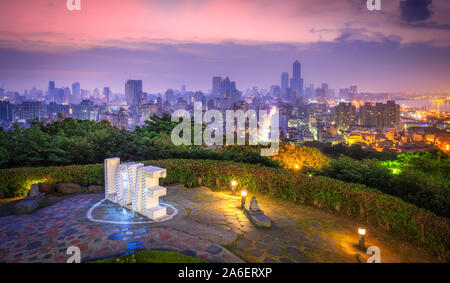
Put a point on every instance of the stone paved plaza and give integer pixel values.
(207, 225)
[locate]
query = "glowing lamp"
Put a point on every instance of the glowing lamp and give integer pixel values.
(233, 187)
(243, 196)
(362, 233)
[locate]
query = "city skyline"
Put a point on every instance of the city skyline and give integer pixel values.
(172, 43)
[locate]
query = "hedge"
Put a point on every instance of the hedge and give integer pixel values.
(372, 206)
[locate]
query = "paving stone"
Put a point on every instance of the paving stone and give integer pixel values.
(256, 252)
(309, 246)
(275, 252)
(300, 259)
(278, 245)
(213, 249)
(244, 244)
(261, 245)
(293, 251)
(269, 260)
(286, 260)
(254, 235)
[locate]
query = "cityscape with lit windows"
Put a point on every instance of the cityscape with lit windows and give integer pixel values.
(225, 131)
(390, 122)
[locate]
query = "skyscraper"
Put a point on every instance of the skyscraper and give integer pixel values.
(296, 70)
(284, 81)
(76, 93)
(297, 81)
(353, 92)
(106, 94)
(133, 92)
(51, 91)
(379, 115)
(345, 115)
(216, 86)
(6, 111)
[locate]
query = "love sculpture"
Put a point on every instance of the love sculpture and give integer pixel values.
(135, 186)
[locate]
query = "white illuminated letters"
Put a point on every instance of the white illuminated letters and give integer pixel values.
(135, 186)
(74, 5)
(374, 5)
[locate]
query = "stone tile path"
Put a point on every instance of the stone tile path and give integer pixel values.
(208, 225)
(45, 235)
(283, 242)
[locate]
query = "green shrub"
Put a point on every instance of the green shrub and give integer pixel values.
(372, 206)
(422, 181)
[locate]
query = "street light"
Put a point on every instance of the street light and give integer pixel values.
(243, 195)
(362, 233)
(233, 187)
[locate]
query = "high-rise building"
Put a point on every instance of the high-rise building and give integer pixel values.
(86, 110)
(353, 91)
(379, 115)
(106, 94)
(170, 98)
(309, 91)
(284, 81)
(296, 82)
(133, 92)
(344, 93)
(51, 91)
(76, 93)
(6, 111)
(345, 115)
(28, 110)
(296, 70)
(216, 86)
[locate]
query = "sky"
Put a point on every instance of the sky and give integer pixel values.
(405, 47)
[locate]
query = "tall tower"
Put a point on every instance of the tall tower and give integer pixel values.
(353, 92)
(297, 81)
(51, 91)
(296, 70)
(106, 94)
(284, 81)
(133, 92)
(76, 93)
(216, 86)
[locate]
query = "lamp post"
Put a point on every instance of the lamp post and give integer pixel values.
(362, 233)
(233, 187)
(243, 195)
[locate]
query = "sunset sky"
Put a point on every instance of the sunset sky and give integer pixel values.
(403, 47)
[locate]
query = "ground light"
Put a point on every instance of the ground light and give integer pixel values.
(362, 233)
(233, 187)
(243, 196)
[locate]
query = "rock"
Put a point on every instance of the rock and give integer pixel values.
(46, 188)
(69, 188)
(26, 206)
(254, 208)
(95, 189)
(34, 191)
(256, 215)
